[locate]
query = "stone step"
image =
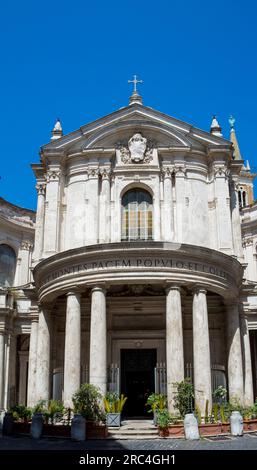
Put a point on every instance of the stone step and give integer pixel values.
(132, 431)
(133, 436)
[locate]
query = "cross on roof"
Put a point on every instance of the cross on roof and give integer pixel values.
(135, 81)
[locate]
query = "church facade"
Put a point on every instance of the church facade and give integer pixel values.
(138, 268)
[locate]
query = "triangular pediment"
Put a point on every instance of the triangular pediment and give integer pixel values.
(107, 131)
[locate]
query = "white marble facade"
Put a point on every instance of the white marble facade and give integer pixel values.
(175, 275)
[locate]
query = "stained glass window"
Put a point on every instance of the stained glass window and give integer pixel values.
(137, 217)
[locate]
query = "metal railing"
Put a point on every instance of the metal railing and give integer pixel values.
(218, 376)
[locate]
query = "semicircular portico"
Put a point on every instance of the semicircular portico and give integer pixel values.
(135, 263)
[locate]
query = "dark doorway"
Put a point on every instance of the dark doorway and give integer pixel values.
(137, 379)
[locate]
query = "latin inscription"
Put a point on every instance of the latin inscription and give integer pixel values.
(126, 263)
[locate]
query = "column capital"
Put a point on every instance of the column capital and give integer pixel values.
(174, 286)
(41, 188)
(199, 289)
(99, 288)
(74, 291)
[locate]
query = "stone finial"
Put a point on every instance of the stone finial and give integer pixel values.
(215, 127)
(57, 130)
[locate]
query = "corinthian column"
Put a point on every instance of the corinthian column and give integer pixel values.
(43, 355)
(167, 208)
(235, 366)
(201, 351)
(174, 342)
(72, 348)
(104, 209)
(98, 340)
(40, 218)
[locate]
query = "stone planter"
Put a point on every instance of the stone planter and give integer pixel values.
(113, 419)
(36, 428)
(96, 430)
(56, 430)
(7, 428)
(78, 428)
(21, 427)
(175, 431)
(250, 425)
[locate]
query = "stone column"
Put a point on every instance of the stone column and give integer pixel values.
(13, 368)
(174, 342)
(43, 355)
(104, 209)
(7, 370)
(98, 340)
(72, 348)
(156, 211)
(248, 374)
(182, 216)
(235, 366)
(51, 225)
(201, 351)
(40, 219)
(92, 216)
(32, 372)
(23, 361)
(2, 350)
(167, 209)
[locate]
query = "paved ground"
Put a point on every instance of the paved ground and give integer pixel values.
(246, 442)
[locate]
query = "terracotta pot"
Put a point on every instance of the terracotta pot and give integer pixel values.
(210, 429)
(225, 428)
(250, 425)
(174, 431)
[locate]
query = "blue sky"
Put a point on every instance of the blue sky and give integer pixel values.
(72, 59)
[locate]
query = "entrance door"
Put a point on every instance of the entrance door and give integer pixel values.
(137, 379)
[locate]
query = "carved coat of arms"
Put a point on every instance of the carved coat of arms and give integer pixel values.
(137, 150)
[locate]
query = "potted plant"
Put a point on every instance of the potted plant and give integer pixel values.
(113, 405)
(87, 402)
(184, 397)
(22, 419)
(157, 402)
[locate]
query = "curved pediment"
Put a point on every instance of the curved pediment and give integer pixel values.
(119, 126)
(109, 136)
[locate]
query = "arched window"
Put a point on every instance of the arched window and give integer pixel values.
(7, 265)
(137, 215)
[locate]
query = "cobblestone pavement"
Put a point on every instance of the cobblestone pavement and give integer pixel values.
(246, 442)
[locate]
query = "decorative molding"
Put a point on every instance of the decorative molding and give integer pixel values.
(105, 173)
(166, 172)
(53, 175)
(93, 172)
(26, 245)
(180, 171)
(41, 188)
(221, 171)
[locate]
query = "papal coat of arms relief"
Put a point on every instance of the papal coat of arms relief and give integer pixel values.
(137, 150)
